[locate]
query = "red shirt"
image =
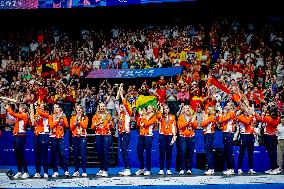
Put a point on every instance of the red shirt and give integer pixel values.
(161, 94)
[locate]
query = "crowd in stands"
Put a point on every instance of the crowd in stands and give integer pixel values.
(50, 65)
(235, 68)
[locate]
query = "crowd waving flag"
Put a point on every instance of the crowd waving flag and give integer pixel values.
(145, 101)
(217, 84)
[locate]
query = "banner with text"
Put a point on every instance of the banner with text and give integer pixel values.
(133, 73)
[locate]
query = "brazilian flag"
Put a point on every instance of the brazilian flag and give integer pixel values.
(145, 101)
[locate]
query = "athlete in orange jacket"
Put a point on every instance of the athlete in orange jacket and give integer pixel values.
(19, 138)
(41, 140)
(227, 125)
(246, 123)
(58, 122)
(102, 123)
(208, 125)
(146, 122)
(187, 124)
(124, 118)
(78, 126)
(270, 139)
(167, 136)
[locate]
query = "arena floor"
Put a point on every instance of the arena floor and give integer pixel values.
(197, 180)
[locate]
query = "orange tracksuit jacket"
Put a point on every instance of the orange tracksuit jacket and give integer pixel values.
(21, 122)
(57, 130)
(105, 127)
(209, 125)
(186, 129)
(41, 122)
(83, 123)
(167, 125)
(227, 122)
(147, 128)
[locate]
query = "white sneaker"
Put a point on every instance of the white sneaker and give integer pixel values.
(104, 174)
(55, 174)
(140, 172)
(268, 171)
(84, 175)
(18, 175)
(189, 172)
(274, 172)
(126, 172)
(229, 172)
(161, 172)
(121, 172)
(66, 174)
(251, 171)
(25, 175)
(181, 172)
(209, 172)
(45, 175)
(279, 170)
(37, 175)
(240, 172)
(76, 174)
(100, 173)
(147, 173)
(169, 172)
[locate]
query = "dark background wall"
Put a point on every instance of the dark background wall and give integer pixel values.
(199, 11)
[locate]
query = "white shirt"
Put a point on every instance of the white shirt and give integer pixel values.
(96, 64)
(280, 131)
(33, 46)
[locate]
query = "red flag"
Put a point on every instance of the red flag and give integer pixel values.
(231, 67)
(185, 64)
(219, 85)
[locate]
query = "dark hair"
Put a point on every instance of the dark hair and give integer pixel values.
(273, 112)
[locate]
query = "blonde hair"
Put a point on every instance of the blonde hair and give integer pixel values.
(83, 110)
(98, 108)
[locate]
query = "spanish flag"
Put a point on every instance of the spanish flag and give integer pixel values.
(145, 101)
(219, 85)
(196, 101)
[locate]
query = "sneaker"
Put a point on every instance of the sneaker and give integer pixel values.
(76, 174)
(251, 171)
(66, 174)
(37, 175)
(104, 174)
(225, 172)
(126, 172)
(84, 175)
(274, 172)
(45, 175)
(121, 172)
(140, 172)
(181, 172)
(240, 172)
(189, 172)
(100, 173)
(18, 175)
(279, 170)
(55, 174)
(147, 173)
(25, 175)
(229, 172)
(161, 172)
(268, 171)
(169, 172)
(209, 172)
